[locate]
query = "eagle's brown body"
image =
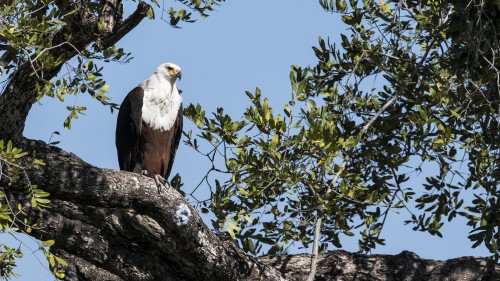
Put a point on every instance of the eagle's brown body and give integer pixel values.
(149, 125)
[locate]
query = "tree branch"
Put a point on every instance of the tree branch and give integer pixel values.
(20, 92)
(315, 251)
(341, 266)
(111, 14)
(113, 225)
(117, 222)
(123, 29)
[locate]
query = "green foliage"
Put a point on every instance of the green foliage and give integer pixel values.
(36, 35)
(26, 31)
(14, 164)
(200, 7)
(8, 258)
(352, 154)
(27, 28)
(56, 263)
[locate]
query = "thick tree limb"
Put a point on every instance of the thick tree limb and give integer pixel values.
(123, 29)
(113, 225)
(341, 265)
(20, 92)
(111, 13)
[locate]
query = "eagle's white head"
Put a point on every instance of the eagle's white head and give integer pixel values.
(162, 101)
(169, 71)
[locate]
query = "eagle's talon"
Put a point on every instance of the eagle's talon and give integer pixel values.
(160, 183)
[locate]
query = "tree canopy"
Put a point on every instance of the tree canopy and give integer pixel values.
(412, 89)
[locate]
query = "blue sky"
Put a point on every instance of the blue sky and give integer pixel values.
(241, 46)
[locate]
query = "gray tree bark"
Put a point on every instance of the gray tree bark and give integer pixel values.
(20, 92)
(345, 266)
(113, 225)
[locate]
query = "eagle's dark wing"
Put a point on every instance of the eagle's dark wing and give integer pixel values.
(173, 141)
(128, 129)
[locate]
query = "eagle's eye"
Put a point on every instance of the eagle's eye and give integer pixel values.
(169, 67)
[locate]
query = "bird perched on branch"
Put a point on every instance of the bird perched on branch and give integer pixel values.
(149, 125)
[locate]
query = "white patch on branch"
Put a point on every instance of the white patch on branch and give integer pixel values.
(182, 214)
(134, 182)
(210, 252)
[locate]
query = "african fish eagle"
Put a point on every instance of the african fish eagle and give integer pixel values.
(149, 125)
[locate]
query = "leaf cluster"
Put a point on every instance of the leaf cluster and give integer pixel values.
(183, 13)
(31, 32)
(40, 49)
(14, 164)
(388, 121)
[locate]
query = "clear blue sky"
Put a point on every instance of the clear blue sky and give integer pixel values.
(241, 46)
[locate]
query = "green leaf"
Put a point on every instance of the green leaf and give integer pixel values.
(274, 141)
(287, 110)
(156, 3)
(455, 113)
(233, 226)
(243, 192)
(248, 218)
(59, 274)
(151, 13)
(385, 7)
(231, 233)
(341, 5)
(48, 243)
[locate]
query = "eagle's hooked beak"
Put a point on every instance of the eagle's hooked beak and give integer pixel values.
(179, 75)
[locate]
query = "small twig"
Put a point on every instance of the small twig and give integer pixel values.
(381, 110)
(391, 201)
(56, 46)
(42, 264)
(390, 56)
(31, 63)
(314, 258)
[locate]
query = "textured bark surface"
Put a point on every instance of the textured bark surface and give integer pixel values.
(113, 225)
(20, 92)
(344, 266)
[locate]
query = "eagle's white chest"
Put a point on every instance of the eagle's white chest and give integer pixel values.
(161, 103)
